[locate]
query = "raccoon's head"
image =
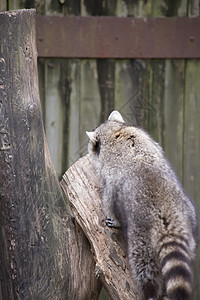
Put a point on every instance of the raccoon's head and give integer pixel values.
(114, 140)
(104, 136)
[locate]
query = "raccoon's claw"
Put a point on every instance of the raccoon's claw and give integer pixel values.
(109, 222)
(112, 223)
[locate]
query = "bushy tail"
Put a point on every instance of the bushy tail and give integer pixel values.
(176, 269)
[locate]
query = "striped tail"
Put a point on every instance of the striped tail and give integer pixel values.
(176, 269)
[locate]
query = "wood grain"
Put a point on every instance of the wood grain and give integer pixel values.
(81, 186)
(44, 253)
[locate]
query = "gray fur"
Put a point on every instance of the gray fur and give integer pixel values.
(141, 192)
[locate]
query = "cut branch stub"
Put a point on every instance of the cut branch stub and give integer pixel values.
(80, 184)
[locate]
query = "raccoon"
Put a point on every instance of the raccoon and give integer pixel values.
(142, 195)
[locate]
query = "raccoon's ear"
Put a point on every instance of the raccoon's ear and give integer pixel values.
(92, 136)
(115, 116)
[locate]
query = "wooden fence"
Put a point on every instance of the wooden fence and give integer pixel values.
(161, 95)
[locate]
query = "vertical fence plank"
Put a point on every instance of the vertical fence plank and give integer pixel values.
(173, 113)
(14, 4)
(170, 8)
(97, 79)
(132, 90)
(105, 67)
(60, 96)
(156, 100)
(106, 73)
(3, 5)
(156, 96)
(134, 8)
(90, 104)
(172, 93)
(57, 91)
(191, 162)
(192, 146)
(193, 8)
(191, 118)
(192, 129)
(19, 4)
(132, 76)
(53, 112)
(74, 113)
(53, 117)
(72, 143)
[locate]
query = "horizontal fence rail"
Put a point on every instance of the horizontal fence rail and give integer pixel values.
(118, 37)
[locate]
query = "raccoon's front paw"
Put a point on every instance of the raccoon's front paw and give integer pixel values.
(112, 223)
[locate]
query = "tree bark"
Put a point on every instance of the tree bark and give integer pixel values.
(80, 184)
(43, 252)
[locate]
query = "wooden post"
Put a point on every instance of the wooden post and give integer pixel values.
(43, 252)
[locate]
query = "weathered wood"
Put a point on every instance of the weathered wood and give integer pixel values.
(157, 77)
(132, 90)
(132, 76)
(105, 67)
(191, 139)
(20, 4)
(3, 5)
(44, 254)
(56, 106)
(104, 37)
(55, 92)
(133, 8)
(173, 113)
(90, 103)
(171, 88)
(191, 161)
(53, 108)
(106, 73)
(81, 186)
(170, 8)
(74, 113)
(156, 100)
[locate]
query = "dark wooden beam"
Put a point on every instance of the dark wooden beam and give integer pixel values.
(114, 37)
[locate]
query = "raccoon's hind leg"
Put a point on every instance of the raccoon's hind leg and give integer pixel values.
(148, 283)
(146, 271)
(150, 290)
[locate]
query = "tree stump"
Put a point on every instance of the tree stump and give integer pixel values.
(80, 184)
(43, 252)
